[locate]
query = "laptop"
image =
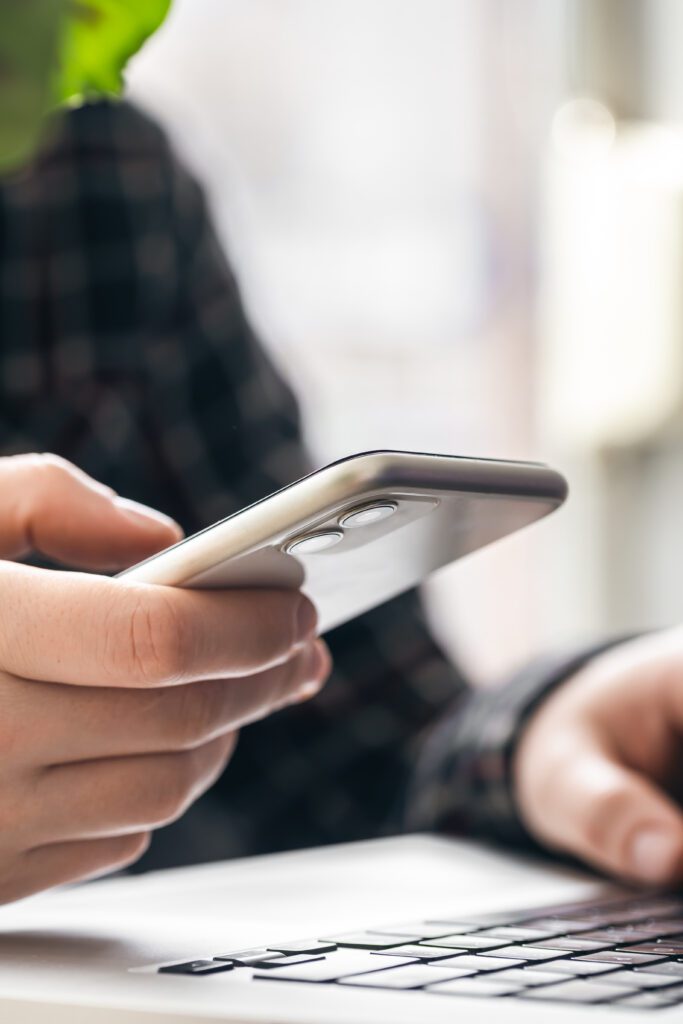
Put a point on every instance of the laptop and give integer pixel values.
(406, 930)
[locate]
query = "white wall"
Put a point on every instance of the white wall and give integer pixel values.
(373, 167)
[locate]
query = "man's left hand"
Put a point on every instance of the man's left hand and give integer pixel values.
(598, 770)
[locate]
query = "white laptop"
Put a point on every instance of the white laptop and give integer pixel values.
(408, 930)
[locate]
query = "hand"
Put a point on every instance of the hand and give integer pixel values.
(119, 701)
(599, 769)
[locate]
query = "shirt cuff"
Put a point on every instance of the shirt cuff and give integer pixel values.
(463, 778)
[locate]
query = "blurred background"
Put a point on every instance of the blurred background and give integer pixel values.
(458, 226)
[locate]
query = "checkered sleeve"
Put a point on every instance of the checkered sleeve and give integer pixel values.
(463, 780)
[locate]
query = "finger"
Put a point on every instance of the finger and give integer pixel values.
(47, 866)
(71, 724)
(123, 795)
(616, 819)
(50, 506)
(95, 631)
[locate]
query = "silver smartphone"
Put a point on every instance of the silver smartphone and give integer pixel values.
(361, 530)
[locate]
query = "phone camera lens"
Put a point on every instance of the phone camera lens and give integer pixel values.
(368, 515)
(314, 543)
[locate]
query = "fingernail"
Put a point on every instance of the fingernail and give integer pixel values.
(655, 853)
(306, 619)
(144, 516)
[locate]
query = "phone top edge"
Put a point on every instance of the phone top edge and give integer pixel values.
(361, 472)
(398, 468)
(430, 455)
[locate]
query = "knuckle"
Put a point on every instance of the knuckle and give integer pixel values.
(304, 675)
(12, 819)
(131, 848)
(273, 631)
(46, 472)
(50, 470)
(13, 732)
(326, 662)
(155, 652)
(221, 751)
(173, 795)
(230, 741)
(193, 715)
(274, 691)
(610, 802)
(289, 679)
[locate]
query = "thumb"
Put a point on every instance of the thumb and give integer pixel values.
(619, 820)
(50, 506)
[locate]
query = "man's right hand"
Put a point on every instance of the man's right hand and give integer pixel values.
(119, 702)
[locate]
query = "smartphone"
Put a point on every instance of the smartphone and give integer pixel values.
(362, 530)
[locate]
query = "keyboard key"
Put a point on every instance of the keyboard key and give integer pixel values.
(404, 936)
(417, 952)
(631, 917)
(568, 927)
(619, 956)
(481, 963)
(330, 968)
(528, 953)
(578, 991)
(580, 912)
(617, 936)
(638, 979)
(652, 930)
(662, 907)
(669, 968)
(369, 940)
(467, 942)
(598, 911)
(196, 967)
(249, 957)
(575, 968)
(511, 934)
(286, 961)
(465, 924)
(310, 946)
(666, 926)
(421, 930)
(663, 948)
(453, 927)
(401, 977)
(635, 912)
(523, 977)
(652, 1000)
(474, 987)
(576, 944)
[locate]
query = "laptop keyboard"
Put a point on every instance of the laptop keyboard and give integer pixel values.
(626, 952)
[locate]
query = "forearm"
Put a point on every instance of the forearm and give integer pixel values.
(463, 781)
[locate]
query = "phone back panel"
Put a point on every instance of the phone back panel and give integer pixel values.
(443, 508)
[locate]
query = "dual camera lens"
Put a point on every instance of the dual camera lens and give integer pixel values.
(325, 539)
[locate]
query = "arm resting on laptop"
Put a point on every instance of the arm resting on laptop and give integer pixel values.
(463, 781)
(581, 755)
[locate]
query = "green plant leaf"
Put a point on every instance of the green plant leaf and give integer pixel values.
(99, 38)
(29, 43)
(54, 51)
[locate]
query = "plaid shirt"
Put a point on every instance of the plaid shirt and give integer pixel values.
(125, 348)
